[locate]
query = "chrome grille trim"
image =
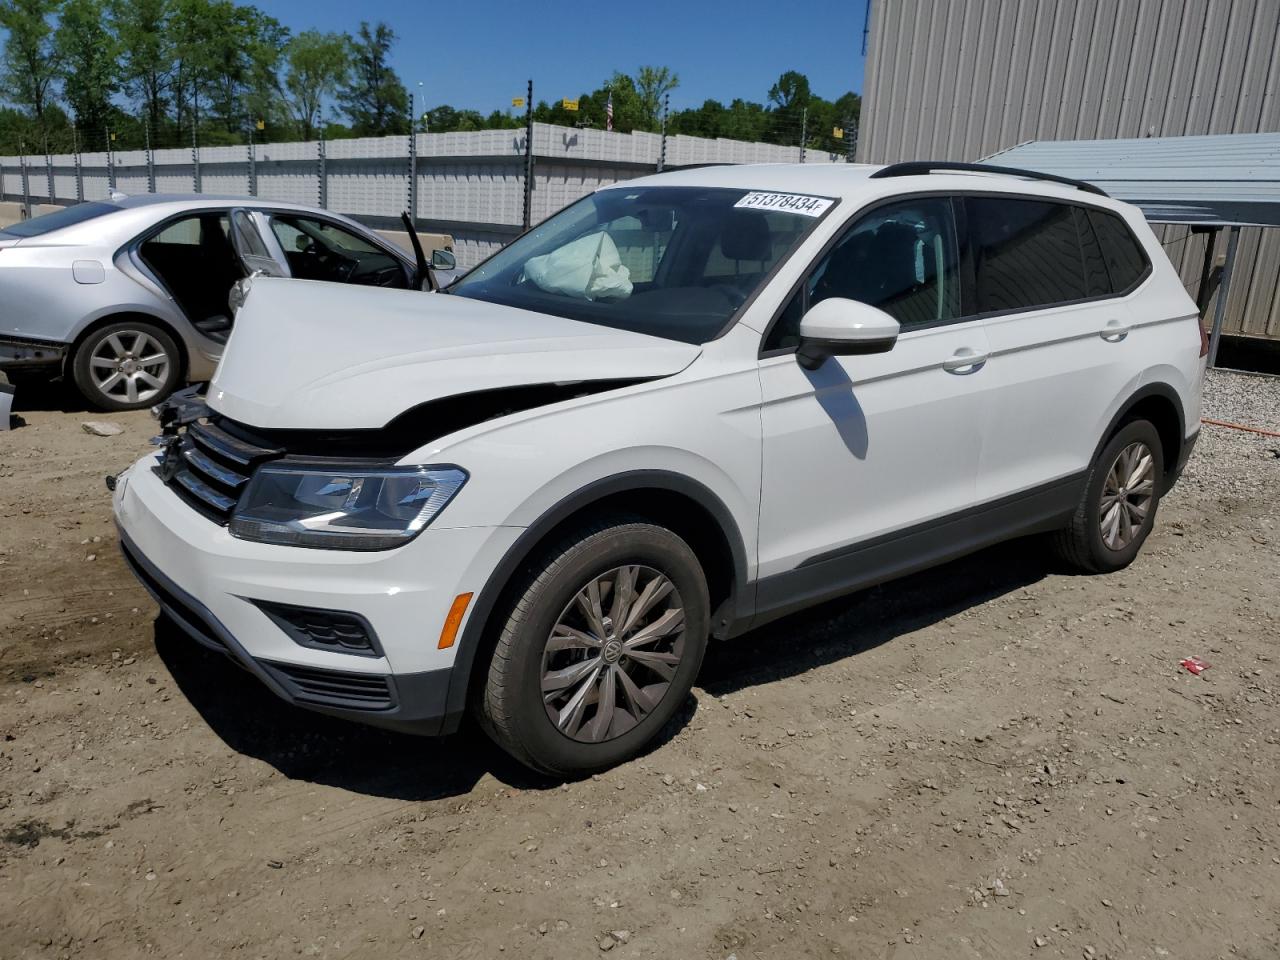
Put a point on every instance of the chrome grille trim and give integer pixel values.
(204, 492)
(214, 466)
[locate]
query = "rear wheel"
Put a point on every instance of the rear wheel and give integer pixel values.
(126, 366)
(599, 650)
(1118, 508)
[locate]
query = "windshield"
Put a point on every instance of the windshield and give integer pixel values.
(673, 262)
(59, 219)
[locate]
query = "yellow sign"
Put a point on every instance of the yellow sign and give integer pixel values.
(261, 124)
(517, 101)
(113, 136)
(570, 105)
(837, 132)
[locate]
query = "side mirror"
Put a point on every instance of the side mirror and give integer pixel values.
(443, 259)
(839, 327)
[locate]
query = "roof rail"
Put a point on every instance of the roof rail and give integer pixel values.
(917, 168)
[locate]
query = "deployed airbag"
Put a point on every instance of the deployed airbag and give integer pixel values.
(589, 268)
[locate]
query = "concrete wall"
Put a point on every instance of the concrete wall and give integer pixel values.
(963, 79)
(469, 186)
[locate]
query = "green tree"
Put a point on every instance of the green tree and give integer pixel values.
(88, 53)
(30, 60)
(147, 57)
(316, 65)
(652, 85)
(375, 100)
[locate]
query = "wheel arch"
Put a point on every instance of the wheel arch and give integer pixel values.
(679, 503)
(1160, 404)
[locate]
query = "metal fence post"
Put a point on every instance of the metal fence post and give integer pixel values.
(322, 175)
(253, 162)
(151, 162)
(75, 150)
(662, 147)
(413, 165)
(111, 166)
(2, 194)
(26, 186)
(804, 130)
(528, 157)
(1224, 288)
(195, 158)
(48, 167)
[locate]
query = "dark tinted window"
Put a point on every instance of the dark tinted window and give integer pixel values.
(38, 226)
(1027, 253)
(1124, 257)
(1096, 278)
(901, 257)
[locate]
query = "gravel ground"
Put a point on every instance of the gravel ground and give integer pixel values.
(993, 759)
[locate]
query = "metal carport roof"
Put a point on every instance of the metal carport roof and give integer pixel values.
(1221, 180)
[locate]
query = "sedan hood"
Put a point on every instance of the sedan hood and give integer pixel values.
(321, 356)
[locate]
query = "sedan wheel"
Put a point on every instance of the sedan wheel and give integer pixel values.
(613, 653)
(127, 366)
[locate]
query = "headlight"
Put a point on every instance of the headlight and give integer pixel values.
(343, 509)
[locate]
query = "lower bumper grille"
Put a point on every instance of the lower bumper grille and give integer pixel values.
(334, 688)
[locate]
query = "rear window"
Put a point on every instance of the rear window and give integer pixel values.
(70, 216)
(1027, 253)
(1124, 256)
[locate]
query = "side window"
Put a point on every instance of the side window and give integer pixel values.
(1027, 253)
(1096, 279)
(1124, 256)
(319, 250)
(901, 257)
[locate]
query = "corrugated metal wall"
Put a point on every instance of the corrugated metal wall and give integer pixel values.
(962, 79)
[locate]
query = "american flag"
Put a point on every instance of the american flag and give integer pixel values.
(608, 112)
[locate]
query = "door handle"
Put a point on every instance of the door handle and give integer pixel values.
(1114, 331)
(964, 361)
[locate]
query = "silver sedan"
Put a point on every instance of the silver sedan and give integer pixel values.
(131, 297)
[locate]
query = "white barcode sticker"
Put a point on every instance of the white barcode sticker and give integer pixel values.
(786, 203)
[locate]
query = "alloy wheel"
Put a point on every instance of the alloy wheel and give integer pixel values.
(1127, 495)
(129, 366)
(613, 653)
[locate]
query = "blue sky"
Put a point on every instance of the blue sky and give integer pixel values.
(479, 55)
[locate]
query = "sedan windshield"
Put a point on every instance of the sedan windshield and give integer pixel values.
(37, 226)
(673, 262)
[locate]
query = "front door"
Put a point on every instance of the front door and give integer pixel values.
(868, 460)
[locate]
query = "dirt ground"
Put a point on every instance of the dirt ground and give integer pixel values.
(993, 759)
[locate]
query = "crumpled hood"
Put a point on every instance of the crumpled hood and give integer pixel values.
(310, 355)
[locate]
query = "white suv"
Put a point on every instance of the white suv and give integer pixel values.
(681, 407)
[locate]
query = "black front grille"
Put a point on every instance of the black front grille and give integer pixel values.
(334, 688)
(212, 467)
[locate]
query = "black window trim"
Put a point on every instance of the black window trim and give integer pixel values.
(968, 266)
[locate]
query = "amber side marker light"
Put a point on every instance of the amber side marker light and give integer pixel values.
(454, 620)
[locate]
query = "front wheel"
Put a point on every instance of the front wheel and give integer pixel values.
(1118, 508)
(128, 365)
(599, 650)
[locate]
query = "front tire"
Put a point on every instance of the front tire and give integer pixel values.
(128, 365)
(600, 649)
(1118, 508)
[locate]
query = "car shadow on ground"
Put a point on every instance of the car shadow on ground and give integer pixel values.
(849, 626)
(319, 749)
(47, 395)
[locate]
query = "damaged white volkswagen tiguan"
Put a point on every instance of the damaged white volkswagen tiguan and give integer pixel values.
(680, 408)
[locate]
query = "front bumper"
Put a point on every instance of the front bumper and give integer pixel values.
(212, 584)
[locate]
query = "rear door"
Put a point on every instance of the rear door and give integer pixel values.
(1061, 350)
(254, 244)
